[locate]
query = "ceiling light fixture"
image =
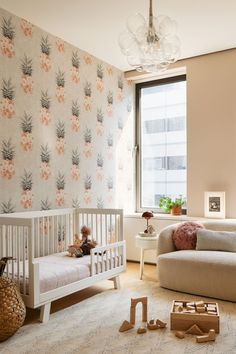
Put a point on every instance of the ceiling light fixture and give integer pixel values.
(150, 46)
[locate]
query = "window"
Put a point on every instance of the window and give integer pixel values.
(161, 141)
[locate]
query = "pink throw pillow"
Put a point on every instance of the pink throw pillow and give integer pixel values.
(185, 235)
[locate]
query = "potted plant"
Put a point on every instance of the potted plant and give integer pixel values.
(173, 206)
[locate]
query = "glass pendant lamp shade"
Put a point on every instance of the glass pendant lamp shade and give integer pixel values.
(150, 46)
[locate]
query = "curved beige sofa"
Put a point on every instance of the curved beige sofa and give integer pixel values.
(207, 273)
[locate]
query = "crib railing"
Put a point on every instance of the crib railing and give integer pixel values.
(106, 224)
(16, 241)
(106, 258)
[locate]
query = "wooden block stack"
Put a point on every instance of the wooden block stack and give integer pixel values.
(185, 314)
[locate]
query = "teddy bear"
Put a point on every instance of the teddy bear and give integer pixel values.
(82, 247)
(75, 250)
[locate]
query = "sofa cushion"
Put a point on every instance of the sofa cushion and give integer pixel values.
(209, 273)
(185, 235)
(216, 240)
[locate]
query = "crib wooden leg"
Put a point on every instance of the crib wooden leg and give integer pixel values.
(116, 281)
(45, 312)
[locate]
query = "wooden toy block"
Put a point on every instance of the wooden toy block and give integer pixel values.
(125, 326)
(189, 311)
(141, 330)
(152, 326)
(133, 305)
(211, 313)
(200, 309)
(161, 324)
(194, 330)
(211, 336)
(178, 303)
(199, 303)
(190, 304)
(182, 321)
(180, 334)
(211, 308)
(179, 308)
(188, 307)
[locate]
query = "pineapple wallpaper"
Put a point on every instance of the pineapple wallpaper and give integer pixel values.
(66, 124)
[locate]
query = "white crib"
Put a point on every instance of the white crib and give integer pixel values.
(38, 242)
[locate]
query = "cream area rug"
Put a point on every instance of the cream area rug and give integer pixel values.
(92, 327)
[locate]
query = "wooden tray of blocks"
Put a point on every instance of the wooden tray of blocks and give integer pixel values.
(185, 314)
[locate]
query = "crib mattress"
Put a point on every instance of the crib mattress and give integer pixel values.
(57, 270)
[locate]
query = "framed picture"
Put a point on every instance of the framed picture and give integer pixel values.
(214, 205)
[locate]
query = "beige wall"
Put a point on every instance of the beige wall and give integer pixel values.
(211, 128)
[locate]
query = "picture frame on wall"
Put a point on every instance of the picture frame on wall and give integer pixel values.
(214, 205)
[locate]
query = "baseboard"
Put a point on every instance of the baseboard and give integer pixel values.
(133, 261)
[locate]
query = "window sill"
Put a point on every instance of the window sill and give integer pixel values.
(178, 218)
(165, 217)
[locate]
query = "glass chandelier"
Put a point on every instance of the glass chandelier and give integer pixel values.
(150, 46)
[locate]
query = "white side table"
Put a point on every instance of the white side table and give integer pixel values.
(145, 243)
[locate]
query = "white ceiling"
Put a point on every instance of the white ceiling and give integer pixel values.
(204, 26)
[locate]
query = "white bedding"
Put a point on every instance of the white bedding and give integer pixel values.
(57, 270)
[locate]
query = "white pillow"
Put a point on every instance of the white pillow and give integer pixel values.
(216, 240)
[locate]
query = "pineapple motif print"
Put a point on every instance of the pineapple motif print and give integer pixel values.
(60, 44)
(26, 135)
(88, 59)
(100, 126)
(120, 95)
(60, 91)
(61, 238)
(99, 80)
(60, 143)
(87, 97)
(100, 203)
(75, 202)
(45, 169)
(45, 204)
(7, 103)
(120, 124)
(87, 190)
(75, 110)
(60, 193)
(26, 79)
(75, 172)
(45, 60)
(110, 147)
(109, 70)
(45, 115)
(26, 195)
(75, 76)
(110, 190)
(87, 143)
(7, 207)
(7, 41)
(110, 104)
(100, 173)
(7, 167)
(27, 28)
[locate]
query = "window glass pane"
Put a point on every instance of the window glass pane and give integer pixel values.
(163, 142)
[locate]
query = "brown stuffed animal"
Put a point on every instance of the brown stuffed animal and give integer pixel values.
(75, 249)
(87, 244)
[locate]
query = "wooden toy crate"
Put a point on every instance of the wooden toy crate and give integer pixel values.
(182, 321)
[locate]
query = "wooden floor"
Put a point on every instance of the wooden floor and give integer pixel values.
(132, 272)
